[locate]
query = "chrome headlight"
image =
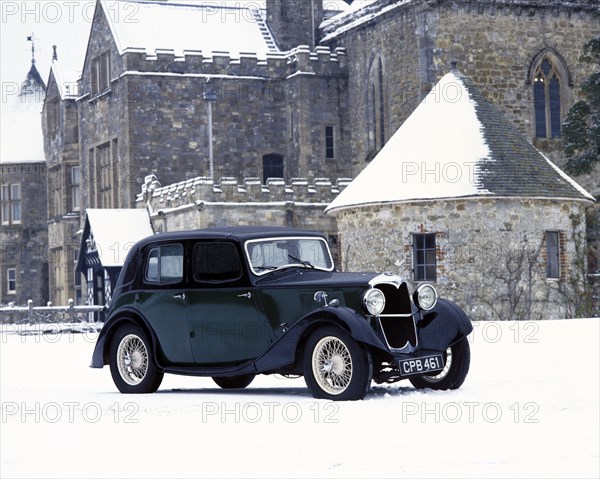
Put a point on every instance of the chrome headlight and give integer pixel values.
(374, 301)
(425, 297)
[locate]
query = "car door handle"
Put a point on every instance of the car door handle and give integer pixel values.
(180, 296)
(245, 295)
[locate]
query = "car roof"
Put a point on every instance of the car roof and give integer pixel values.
(237, 233)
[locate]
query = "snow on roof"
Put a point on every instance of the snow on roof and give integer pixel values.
(216, 26)
(21, 139)
(116, 230)
(456, 144)
(360, 12)
(67, 89)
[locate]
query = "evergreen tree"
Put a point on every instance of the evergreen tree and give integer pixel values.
(581, 128)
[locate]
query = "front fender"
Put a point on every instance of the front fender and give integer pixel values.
(443, 326)
(283, 351)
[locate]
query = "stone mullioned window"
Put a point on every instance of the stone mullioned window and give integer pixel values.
(10, 204)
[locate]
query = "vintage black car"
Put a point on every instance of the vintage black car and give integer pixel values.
(231, 303)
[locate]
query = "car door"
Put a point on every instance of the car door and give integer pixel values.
(161, 300)
(226, 325)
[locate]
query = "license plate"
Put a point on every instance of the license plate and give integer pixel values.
(418, 366)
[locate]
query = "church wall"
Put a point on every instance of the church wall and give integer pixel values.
(394, 39)
(494, 43)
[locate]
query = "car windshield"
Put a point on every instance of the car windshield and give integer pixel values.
(267, 255)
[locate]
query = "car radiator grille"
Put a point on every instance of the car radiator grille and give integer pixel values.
(396, 320)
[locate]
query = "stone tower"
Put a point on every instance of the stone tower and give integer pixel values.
(294, 22)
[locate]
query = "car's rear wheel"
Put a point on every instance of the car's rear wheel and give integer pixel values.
(234, 382)
(457, 361)
(336, 367)
(131, 363)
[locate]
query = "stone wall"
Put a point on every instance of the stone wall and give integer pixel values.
(103, 120)
(61, 146)
(280, 105)
(24, 245)
(155, 118)
(495, 44)
(490, 253)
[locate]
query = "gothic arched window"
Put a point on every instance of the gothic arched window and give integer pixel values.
(546, 98)
(377, 105)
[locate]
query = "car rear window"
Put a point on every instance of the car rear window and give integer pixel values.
(164, 264)
(216, 262)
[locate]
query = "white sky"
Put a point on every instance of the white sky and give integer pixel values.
(62, 23)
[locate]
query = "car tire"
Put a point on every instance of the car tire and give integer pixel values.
(131, 363)
(234, 382)
(457, 361)
(336, 367)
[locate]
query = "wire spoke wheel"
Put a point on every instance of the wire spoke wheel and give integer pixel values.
(132, 359)
(336, 366)
(332, 365)
(444, 372)
(456, 368)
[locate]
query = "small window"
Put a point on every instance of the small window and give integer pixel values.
(16, 203)
(10, 199)
(101, 73)
(165, 264)
(272, 167)
(11, 280)
(5, 200)
(329, 143)
(216, 262)
(52, 116)
(75, 187)
(552, 255)
(424, 250)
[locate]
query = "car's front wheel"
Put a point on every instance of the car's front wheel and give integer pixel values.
(457, 360)
(336, 367)
(234, 382)
(131, 363)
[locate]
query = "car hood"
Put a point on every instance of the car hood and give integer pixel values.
(302, 277)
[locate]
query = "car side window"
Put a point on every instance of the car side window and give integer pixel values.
(164, 264)
(216, 262)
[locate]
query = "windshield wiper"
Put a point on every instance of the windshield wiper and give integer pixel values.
(303, 263)
(266, 268)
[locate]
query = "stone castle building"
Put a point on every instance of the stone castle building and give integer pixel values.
(255, 114)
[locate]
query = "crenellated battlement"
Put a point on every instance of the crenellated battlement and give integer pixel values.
(276, 65)
(202, 190)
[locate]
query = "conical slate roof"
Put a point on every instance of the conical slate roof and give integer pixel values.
(456, 144)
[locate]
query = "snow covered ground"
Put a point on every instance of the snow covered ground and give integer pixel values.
(529, 408)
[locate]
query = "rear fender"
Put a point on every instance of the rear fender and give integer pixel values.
(283, 351)
(443, 326)
(126, 315)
